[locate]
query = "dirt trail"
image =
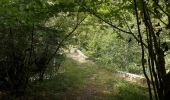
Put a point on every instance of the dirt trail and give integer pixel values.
(79, 56)
(89, 92)
(101, 85)
(95, 89)
(86, 93)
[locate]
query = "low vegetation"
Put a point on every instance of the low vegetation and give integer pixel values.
(86, 81)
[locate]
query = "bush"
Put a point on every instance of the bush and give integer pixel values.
(133, 68)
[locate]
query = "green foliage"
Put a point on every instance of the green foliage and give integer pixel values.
(34, 34)
(133, 68)
(74, 78)
(106, 46)
(31, 36)
(131, 91)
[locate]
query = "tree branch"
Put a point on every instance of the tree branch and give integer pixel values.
(161, 8)
(66, 37)
(114, 26)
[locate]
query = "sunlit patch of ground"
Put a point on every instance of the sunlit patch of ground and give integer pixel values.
(106, 85)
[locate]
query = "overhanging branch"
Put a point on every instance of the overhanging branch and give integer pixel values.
(114, 26)
(66, 37)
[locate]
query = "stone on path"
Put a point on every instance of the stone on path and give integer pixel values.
(77, 55)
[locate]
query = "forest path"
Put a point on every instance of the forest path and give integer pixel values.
(87, 81)
(106, 85)
(97, 87)
(80, 57)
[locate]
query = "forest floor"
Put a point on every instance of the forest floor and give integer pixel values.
(86, 81)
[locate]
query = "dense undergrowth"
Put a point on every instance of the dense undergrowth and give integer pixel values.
(77, 81)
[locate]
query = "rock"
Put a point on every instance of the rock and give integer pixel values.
(132, 77)
(77, 55)
(77, 52)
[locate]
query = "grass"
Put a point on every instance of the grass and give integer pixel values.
(77, 81)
